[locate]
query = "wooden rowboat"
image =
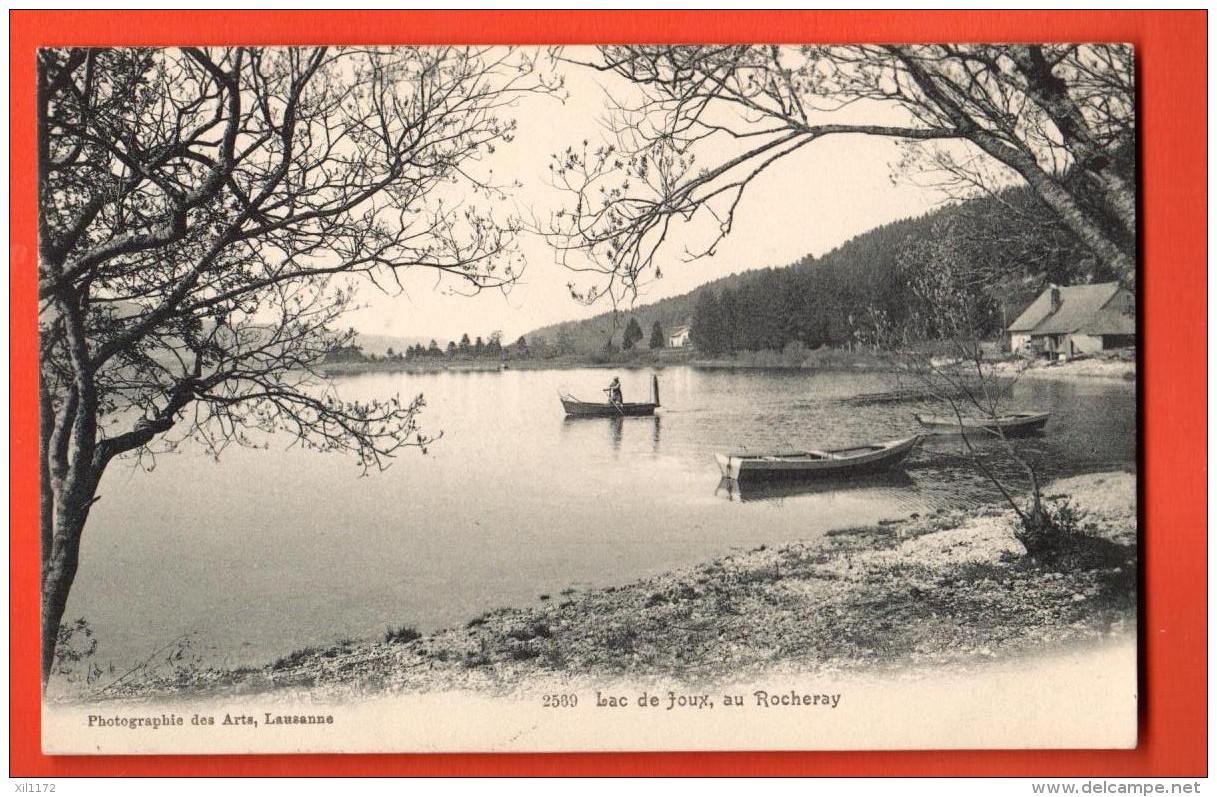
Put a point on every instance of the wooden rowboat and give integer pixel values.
(1012, 425)
(883, 482)
(813, 464)
(588, 409)
(608, 409)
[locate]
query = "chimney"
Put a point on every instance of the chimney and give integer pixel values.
(1054, 298)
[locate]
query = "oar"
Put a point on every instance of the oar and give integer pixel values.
(613, 404)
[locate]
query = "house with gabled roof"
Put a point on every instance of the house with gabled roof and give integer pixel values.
(1067, 321)
(679, 337)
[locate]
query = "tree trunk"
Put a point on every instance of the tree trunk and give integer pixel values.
(46, 428)
(1089, 230)
(1018, 155)
(1091, 234)
(57, 577)
(1051, 93)
(1121, 196)
(73, 497)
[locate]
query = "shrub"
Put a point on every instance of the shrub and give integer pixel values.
(477, 658)
(74, 653)
(294, 658)
(1044, 527)
(76, 644)
(530, 631)
(1058, 537)
(342, 646)
(401, 635)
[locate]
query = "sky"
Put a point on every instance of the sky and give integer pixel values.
(809, 203)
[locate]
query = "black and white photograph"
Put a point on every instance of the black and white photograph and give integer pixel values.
(583, 398)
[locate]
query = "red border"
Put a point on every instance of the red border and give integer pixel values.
(1172, 55)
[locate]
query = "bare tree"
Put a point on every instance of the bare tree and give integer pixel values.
(941, 351)
(1058, 118)
(203, 217)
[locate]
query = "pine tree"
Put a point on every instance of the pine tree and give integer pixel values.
(633, 334)
(706, 329)
(656, 336)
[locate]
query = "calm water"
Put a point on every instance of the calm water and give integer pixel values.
(264, 552)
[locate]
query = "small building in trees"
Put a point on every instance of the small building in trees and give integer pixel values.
(1068, 321)
(679, 337)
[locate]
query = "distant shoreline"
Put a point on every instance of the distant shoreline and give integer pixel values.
(826, 358)
(439, 366)
(818, 359)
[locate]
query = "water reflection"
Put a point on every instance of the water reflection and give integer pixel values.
(885, 487)
(504, 510)
(905, 393)
(585, 430)
(975, 441)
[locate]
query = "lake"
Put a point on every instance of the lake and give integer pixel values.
(268, 551)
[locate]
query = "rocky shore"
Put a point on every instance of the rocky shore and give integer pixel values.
(1125, 370)
(952, 588)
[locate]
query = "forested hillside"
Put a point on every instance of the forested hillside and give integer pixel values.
(851, 294)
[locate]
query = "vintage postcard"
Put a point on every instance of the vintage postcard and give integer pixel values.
(480, 398)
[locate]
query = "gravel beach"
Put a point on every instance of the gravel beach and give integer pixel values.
(923, 592)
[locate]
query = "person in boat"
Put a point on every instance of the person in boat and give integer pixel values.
(614, 391)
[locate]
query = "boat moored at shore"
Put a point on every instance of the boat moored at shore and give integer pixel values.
(815, 464)
(1012, 425)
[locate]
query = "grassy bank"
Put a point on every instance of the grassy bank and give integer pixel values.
(924, 591)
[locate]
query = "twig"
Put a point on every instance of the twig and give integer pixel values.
(141, 665)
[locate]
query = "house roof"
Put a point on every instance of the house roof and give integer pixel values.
(1081, 307)
(1110, 321)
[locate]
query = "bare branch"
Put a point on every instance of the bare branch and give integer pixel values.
(1059, 120)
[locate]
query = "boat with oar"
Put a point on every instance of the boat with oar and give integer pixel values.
(836, 462)
(576, 408)
(1012, 425)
